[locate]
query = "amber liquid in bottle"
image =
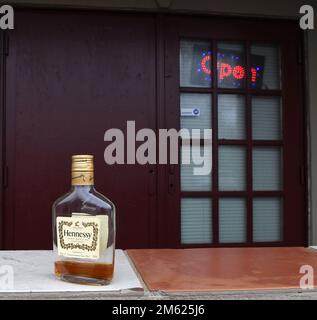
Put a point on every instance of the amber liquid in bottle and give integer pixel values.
(81, 272)
(84, 229)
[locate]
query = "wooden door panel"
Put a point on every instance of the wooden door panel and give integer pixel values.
(70, 77)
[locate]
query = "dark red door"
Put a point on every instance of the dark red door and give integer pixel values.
(243, 78)
(70, 77)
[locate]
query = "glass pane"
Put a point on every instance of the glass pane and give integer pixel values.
(232, 220)
(195, 64)
(266, 66)
(195, 111)
(231, 116)
(196, 220)
(232, 168)
(266, 118)
(190, 180)
(267, 219)
(231, 68)
(267, 169)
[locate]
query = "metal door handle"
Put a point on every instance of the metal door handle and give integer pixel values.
(171, 179)
(152, 187)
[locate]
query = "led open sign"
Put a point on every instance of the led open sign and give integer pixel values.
(231, 68)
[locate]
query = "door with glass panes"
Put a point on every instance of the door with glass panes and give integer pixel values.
(243, 80)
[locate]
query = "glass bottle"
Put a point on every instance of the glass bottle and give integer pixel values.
(84, 229)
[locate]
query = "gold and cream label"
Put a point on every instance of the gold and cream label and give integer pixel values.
(82, 236)
(82, 178)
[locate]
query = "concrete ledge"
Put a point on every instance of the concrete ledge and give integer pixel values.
(152, 295)
(34, 279)
(33, 276)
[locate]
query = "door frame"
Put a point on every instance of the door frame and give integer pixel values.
(164, 234)
(292, 92)
(3, 176)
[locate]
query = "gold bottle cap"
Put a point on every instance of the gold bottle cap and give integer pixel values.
(82, 163)
(82, 170)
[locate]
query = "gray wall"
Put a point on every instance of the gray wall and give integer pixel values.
(312, 87)
(267, 8)
(285, 8)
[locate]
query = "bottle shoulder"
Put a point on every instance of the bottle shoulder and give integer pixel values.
(105, 199)
(63, 199)
(90, 200)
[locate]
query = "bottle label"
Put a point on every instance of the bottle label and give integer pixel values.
(82, 178)
(82, 235)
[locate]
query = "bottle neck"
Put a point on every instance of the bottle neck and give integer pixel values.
(82, 179)
(83, 189)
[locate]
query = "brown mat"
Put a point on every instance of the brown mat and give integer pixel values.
(222, 269)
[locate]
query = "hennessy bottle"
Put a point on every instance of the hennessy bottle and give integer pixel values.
(84, 229)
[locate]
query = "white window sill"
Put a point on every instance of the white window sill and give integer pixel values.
(34, 273)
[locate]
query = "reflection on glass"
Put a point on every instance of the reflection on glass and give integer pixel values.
(195, 64)
(231, 116)
(190, 181)
(267, 168)
(232, 220)
(231, 68)
(267, 219)
(195, 111)
(266, 67)
(196, 220)
(232, 168)
(266, 118)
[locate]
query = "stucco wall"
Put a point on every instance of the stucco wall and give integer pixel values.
(312, 86)
(267, 8)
